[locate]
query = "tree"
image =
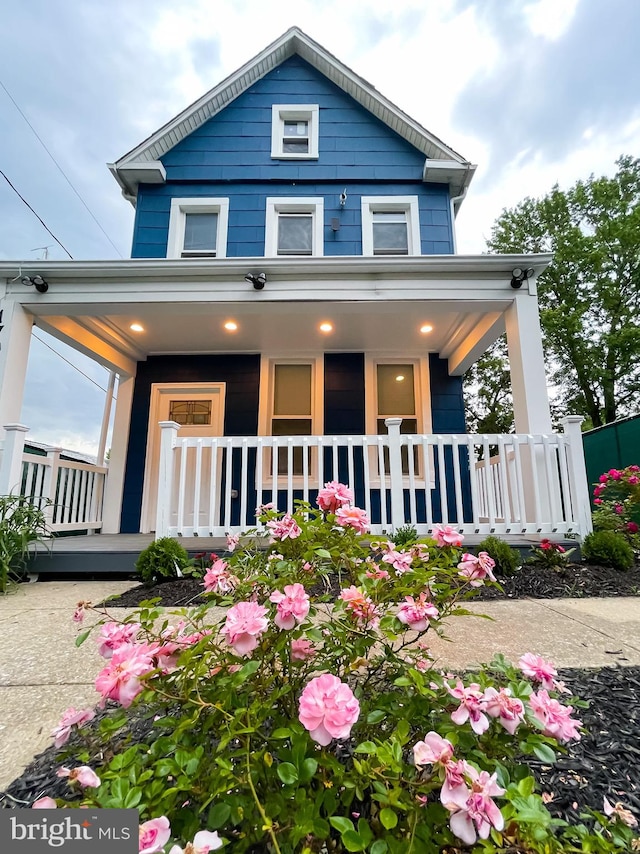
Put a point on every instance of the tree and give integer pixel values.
(590, 295)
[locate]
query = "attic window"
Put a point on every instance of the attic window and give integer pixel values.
(294, 131)
(198, 228)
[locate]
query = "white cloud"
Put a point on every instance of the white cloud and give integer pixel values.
(550, 18)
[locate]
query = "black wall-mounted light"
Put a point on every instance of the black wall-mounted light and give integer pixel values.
(519, 275)
(37, 281)
(258, 280)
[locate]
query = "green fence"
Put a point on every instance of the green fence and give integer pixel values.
(613, 446)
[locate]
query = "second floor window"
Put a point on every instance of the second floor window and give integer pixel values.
(390, 225)
(198, 228)
(294, 226)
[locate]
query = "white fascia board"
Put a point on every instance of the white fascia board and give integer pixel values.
(292, 42)
(457, 175)
(168, 270)
(130, 175)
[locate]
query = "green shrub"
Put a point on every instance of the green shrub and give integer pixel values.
(505, 557)
(22, 524)
(608, 548)
(404, 536)
(164, 559)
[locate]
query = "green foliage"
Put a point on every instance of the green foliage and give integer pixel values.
(22, 525)
(505, 557)
(228, 750)
(163, 560)
(589, 296)
(550, 555)
(617, 500)
(405, 535)
(608, 548)
(487, 392)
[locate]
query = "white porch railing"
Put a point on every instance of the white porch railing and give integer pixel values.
(70, 493)
(533, 484)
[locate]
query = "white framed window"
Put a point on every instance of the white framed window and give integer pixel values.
(390, 225)
(294, 226)
(291, 405)
(198, 228)
(398, 388)
(294, 131)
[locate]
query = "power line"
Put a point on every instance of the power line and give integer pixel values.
(60, 169)
(86, 376)
(35, 214)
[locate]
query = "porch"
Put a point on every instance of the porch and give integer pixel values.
(520, 487)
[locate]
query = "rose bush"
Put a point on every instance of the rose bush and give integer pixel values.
(617, 500)
(287, 716)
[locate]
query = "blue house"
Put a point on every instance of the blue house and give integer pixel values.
(294, 311)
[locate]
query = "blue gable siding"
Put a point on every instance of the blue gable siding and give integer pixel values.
(230, 157)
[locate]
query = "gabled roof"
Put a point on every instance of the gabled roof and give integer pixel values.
(143, 162)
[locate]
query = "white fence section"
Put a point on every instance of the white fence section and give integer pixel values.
(70, 493)
(504, 484)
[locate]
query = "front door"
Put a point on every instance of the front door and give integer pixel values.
(199, 409)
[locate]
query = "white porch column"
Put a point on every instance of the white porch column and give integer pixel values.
(15, 338)
(118, 457)
(168, 438)
(11, 467)
(526, 360)
(580, 493)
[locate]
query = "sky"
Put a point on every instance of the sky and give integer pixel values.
(536, 92)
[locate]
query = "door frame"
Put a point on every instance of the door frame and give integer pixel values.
(158, 395)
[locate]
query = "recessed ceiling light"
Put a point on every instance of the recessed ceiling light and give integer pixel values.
(326, 327)
(231, 326)
(399, 378)
(136, 327)
(426, 328)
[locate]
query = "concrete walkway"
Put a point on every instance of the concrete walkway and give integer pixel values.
(42, 672)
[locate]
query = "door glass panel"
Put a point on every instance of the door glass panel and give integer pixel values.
(396, 395)
(190, 412)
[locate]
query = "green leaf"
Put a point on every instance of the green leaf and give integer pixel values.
(288, 773)
(133, 799)
(352, 841)
(308, 769)
(376, 716)
(323, 553)
(341, 823)
(219, 815)
(367, 747)
(388, 818)
(82, 637)
(281, 732)
(379, 847)
(544, 753)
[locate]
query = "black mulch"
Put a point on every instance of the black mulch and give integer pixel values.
(606, 762)
(577, 580)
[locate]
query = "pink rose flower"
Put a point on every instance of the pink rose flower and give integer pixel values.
(328, 709)
(203, 842)
(536, 668)
(555, 718)
(244, 625)
(83, 775)
(113, 635)
(45, 803)
(400, 561)
(120, 679)
(353, 517)
(71, 717)
(293, 605)
(432, 750)
(445, 535)
(218, 579)
(476, 569)
(360, 606)
(619, 812)
(471, 707)
(153, 835)
(473, 810)
(78, 614)
(302, 650)
(333, 496)
(416, 613)
(500, 704)
(285, 528)
(377, 574)
(232, 542)
(632, 527)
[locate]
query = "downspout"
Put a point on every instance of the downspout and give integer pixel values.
(455, 202)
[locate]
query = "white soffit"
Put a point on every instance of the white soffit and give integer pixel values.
(294, 41)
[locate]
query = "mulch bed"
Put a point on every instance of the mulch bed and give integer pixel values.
(606, 762)
(576, 581)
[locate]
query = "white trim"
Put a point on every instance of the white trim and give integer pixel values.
(177, 220)
(280, 113)
(276, 205)
(406, 204)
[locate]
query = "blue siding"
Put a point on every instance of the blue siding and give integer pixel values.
(230, 156)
